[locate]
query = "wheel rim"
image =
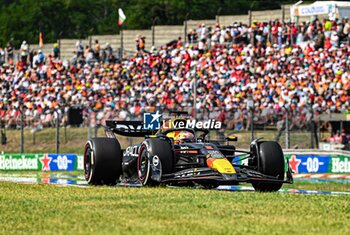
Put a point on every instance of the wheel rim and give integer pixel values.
(142, 165)
(87, 162)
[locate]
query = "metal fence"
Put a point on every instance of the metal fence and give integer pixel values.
(290, 130)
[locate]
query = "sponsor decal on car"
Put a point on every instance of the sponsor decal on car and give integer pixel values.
(132, 151)
(187, 173)
(186, 150)
(155, 160)
(215, 154)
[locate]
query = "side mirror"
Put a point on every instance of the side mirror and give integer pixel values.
(231, 138)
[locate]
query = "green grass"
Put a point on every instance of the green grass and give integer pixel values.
(319, 186)
(341, 186)
(72, 140)
(48, 209)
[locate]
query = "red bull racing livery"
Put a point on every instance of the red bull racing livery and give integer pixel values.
(182, 157)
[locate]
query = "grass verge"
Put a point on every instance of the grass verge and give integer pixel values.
(48, 209)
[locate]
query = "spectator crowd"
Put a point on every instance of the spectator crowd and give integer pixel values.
(267, 67)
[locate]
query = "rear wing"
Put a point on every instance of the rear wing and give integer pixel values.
(128, 128)
(179, 113)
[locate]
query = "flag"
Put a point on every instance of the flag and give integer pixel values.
(122, 16)
(41, 40)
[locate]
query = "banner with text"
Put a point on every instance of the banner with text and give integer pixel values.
(43, 162)
(299, 163)
(9, 162)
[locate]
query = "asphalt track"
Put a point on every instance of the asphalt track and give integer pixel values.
(65, 179)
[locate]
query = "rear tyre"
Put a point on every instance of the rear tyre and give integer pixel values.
(102, 161)
(271, 162)
(151, 150)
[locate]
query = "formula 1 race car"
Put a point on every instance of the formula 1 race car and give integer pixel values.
(181, 157)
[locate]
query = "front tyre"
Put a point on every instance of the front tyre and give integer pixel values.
(102, 161)
(154, 151)
(271, 162)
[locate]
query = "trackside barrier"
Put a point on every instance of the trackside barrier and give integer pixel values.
(315, 161)
(41, 162)
(301, 161)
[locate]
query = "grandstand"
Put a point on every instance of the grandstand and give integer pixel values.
(162, 34)
(235, 61)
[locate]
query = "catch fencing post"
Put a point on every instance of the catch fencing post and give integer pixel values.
(65, 133)
(89, 123)
(195, 97)
(318, 132)
(57, 132)
(251, 124)
(34, 137)
(95, 127)
(312, 128)
(250, 108)
(3, 136)
(22, 127)
(287, 128)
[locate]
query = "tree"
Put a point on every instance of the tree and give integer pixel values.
(24, 19)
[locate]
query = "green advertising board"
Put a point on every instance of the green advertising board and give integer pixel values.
(299, 162)
(314, 163)
(19, 162)
(80, 163)
(340, 164)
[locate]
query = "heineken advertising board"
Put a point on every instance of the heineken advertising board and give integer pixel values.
(299, 163)
(42, 162)
(319, 164)
(10, 162)
(80, 163)
(60, 162)
(340, 164)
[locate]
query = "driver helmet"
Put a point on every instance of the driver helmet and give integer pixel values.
(184, 137)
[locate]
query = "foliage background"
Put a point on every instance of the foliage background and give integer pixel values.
(24, 19)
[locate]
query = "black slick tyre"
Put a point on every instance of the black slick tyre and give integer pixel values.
(151, 149)
(102, 161)
(271, 162)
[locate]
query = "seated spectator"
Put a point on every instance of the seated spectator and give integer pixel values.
(230, 64)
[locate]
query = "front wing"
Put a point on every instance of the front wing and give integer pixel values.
(208, 175)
